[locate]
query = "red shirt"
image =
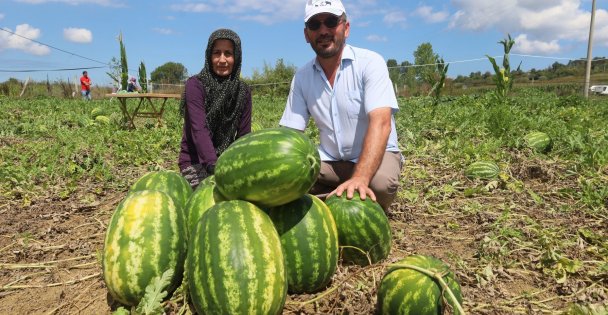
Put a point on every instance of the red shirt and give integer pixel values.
(85, 83)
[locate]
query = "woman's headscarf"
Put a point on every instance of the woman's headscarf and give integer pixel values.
(224, 96)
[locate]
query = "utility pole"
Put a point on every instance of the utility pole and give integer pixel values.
(589, 47)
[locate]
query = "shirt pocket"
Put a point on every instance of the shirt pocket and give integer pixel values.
(355, 104)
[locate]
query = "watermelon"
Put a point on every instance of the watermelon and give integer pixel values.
(406, 291)
(170, 182)
(538, 141)
(482, 170)
(97, 111)
(102, 120)
(145, 237)
(235, 262)
(309, 239)
(361, 224)
(270, 167)
(203, 198)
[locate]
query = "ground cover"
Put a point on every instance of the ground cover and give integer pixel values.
(534, 240)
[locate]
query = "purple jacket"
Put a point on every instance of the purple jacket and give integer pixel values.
(196, 146)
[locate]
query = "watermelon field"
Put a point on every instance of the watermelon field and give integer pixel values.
(532, 238)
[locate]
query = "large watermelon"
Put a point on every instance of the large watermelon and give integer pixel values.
(310, 242)
(145, 237)
(482, 170)
(539, 141)
(361, 224)
(269, 167)
(203, 198)
(170, 182)
(406, 291)
(235, 262)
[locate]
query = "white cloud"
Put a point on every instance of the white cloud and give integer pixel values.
(163, 31)
(545, 24)
(78, 35)
(191, 7)
(376, 38)
(525, 46)
(426, 12)
(21, 42)
(266, 12)
(105, 3)
(1, 16)
(395, 17)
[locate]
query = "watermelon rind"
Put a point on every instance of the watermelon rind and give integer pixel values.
(309, 239)
(270, 167)
(145, 237)
(204, 197)
(405, 291)
(539, 141)
(235, 262)
(364, 232)
(482, 170)
(170, 182)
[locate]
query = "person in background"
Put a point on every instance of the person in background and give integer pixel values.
(85, 86)
(216, 105)
(348, 93)
(132, 85)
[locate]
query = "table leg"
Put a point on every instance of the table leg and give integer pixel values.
(125, 112)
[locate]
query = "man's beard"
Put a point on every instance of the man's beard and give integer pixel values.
(330, 51)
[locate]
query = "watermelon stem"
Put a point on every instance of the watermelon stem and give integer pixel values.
(437, 276)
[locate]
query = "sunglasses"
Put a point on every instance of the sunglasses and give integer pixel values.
(330, 22)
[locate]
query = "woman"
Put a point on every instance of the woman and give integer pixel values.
(216, 106)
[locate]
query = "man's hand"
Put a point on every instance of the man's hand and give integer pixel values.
(358, 184)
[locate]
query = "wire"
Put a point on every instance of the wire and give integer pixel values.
(53, 47)
(51, 70)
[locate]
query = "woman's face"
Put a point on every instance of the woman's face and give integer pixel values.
(222, 57)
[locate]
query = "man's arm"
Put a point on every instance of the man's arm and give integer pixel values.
(374, 147)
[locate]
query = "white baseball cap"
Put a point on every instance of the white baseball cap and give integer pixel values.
(314, 7)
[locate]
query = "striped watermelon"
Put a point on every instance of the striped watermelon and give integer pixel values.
(235, 262)
(310, 242)
(539, 141)
(482, 170)
(361, 224)
(406, 291)
(269, 167)
(170, 182)
(145, 237)
(203, 198)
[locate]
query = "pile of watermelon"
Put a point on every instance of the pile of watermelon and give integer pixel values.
(247, 235)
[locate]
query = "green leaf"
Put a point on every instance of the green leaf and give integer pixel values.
(590, 309)
(151, 302)
(121, 311)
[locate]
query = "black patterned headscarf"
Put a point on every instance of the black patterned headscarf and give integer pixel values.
(225, 97)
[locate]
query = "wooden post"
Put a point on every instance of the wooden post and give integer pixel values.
(589, 55)
(24, 86)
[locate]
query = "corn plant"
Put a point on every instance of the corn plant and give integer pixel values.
(437, 79)
(501, 79)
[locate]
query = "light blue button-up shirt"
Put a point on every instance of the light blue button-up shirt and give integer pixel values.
(341, 113)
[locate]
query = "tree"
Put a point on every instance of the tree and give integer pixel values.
(424, 55)
(393, 70)
(170, 73)
(273, 80)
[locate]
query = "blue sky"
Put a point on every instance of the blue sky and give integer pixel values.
(84, 32)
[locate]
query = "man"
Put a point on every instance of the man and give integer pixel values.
(85, 86)
(348, 93)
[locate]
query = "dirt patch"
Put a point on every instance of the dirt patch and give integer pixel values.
(499, 241)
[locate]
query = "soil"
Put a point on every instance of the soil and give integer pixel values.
(50, 262)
